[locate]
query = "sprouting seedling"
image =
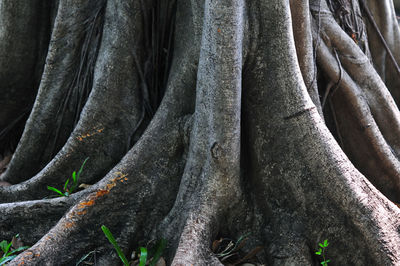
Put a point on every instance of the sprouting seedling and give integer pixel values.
(9, 253)
(321, 252)
(143, 258)
(69, 188)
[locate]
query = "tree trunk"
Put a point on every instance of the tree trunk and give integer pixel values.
(202, 120)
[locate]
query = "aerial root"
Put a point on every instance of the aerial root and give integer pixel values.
(364, 135)
(362, 72)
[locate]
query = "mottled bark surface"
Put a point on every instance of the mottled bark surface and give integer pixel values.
(201, 120)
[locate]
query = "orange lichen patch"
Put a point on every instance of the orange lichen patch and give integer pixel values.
(85, 204)
(219, 30)
(110, 186)
(102, 192)
(69, 225)
(91, 201)
(95, 132)
(81, 213)
(120, 177)
(21, 263)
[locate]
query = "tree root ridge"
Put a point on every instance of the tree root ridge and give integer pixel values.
(56, 76)
(237, 143)
(132, 176)
(375, 109)
(101, 134)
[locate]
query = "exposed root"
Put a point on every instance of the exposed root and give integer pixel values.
(101, 134)
(24, 41)
(367, 139)
(304, 184)
(385, 18)
(35, 144)
(357, 65)
(194, 243)
(242, 151)
(26, 218)
(210, 183)
(150, 195)
(301, 22)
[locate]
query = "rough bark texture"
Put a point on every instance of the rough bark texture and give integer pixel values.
(201, 120)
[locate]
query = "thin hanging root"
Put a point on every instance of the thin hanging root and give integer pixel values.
(385, 17)
(361, 137)
(371, 20)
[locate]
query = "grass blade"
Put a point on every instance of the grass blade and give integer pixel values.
(143, 256)
(160, 248)
(74, 177)
(4, 260)
(17, 250)
(81, 169)
(55, 190)
(66, 185)
(111, 238)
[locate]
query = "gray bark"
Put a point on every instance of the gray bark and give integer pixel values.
(277, 118)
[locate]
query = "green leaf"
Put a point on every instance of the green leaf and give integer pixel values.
(81, 169)
(7, 248)
(66, 185)
(321, 245)
(328, 261)
(18, 250)
(162, 243)
(74, 177)
(55, 190)
(318, 252)
(4, 260)
(143, 256)
(3, 245)
(111, 238)
(326, 243)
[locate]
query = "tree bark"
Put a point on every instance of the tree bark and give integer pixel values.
(202, 120)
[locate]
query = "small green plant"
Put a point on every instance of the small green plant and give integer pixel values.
(322, 250)
(8, 250)
(112, 240)
(143, 257)
(69, 188)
